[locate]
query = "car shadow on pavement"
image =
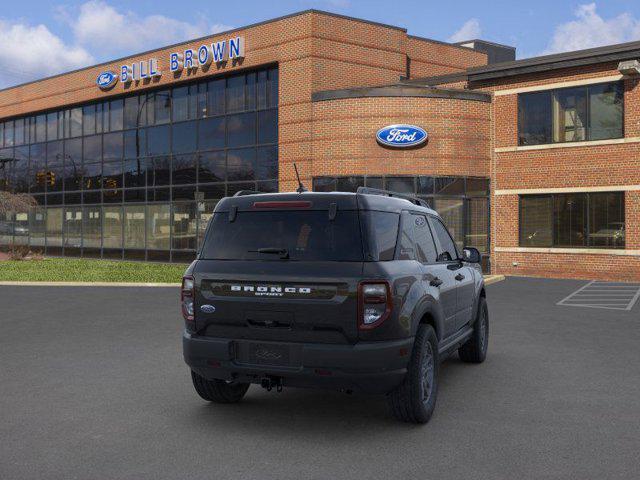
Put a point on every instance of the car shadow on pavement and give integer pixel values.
(310, 410)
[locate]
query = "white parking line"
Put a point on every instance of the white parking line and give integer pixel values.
(612, 296)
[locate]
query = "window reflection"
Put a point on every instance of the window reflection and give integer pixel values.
(97, 166)
(158, 227)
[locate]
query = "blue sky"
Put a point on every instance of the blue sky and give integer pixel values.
(43, 37)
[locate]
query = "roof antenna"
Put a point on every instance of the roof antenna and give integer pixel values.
(300, 188)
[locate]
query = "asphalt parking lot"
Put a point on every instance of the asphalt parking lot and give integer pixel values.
(92, 386)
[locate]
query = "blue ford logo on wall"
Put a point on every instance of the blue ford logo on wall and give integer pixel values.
(106, 80)
(401, 136)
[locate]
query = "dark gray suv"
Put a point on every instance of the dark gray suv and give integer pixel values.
(358, 291)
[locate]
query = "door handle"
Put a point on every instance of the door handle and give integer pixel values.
(459, 277)
(435, 282)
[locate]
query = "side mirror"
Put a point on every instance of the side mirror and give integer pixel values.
(471, 255)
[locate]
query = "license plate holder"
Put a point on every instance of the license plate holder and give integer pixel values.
(272, 354)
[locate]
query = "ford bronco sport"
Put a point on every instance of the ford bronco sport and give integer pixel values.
(361, 291)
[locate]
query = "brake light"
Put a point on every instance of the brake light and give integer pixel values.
(283, 204)
(374, 304)
(186, 297)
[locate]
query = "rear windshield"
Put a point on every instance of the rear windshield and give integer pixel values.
(303, 235)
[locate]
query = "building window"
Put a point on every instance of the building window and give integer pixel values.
(463, 202)
(577, 114)
(101, 169)
(575, 220)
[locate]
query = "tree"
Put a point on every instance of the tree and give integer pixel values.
(16, 202)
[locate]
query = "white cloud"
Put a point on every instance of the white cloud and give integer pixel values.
(107, 31)
(29, 52)
(98, 32)
(591, 30)
(469, 31)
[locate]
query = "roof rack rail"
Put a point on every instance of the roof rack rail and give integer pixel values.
(387, 193)
(242, 193)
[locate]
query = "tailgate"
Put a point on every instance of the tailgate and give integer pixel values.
(278, 300)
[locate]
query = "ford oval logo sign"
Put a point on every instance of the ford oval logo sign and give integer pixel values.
(208, 308)
(401, 136)
(106, 80)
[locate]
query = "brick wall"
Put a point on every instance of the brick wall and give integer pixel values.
(344, 137)
(429, 58)
(564, 167)
(315, 51)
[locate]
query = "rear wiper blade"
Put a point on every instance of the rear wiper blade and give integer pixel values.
(283, 252)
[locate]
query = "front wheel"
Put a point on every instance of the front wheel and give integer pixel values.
(218, 391)
(415, 399)
(475, 350)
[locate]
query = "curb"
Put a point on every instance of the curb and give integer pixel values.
(489, 279)
(89, 284)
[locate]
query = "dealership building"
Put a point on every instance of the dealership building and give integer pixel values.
(535, 162)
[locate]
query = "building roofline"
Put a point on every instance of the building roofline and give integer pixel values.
(435, 79)
(226, 32)
(496, 44)
(400, 90)
(555, 61)
(440, 42)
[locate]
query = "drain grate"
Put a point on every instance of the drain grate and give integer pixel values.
(609, 295)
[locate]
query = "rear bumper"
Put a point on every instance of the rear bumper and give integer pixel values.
(373, 367)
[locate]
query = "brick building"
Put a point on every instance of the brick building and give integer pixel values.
(127, 159)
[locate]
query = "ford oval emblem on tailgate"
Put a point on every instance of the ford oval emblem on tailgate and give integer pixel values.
(207, 308)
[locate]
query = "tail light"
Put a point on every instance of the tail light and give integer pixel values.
(374, 304)
(186, 297)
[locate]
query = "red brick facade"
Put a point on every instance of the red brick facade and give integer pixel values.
(579, 168)
(315, 51)
(468, 136)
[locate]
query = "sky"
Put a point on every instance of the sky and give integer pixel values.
(39, 38)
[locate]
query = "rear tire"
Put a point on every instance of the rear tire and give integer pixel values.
(218, 391)
(475, 350)
(415, 399)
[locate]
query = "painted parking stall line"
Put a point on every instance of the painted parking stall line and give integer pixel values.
(608, 295)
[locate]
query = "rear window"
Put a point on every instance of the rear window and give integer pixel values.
(304, 235)
(382, 234)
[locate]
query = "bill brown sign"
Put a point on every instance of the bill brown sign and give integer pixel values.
(189, 59)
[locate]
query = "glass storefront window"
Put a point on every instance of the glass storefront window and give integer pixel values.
(477, 232)
(158, 140)
(6, 229)
(180, 104)
(158, 227)
(212, 133)
(241, 130)
(96, 163)
(204, 214)
(463, 202)
(134, 225)
(578, 220)
(54, 227)
(112, 227)
(92, 227)
(37, 226)
(184, 226)
(73, 227)
(452, 212)
(21, 228)
(184, 137)
(400, 184)
(241, 164)
(116, 115)
(591, 112)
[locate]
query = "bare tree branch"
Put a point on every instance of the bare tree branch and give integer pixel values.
(16, 202)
